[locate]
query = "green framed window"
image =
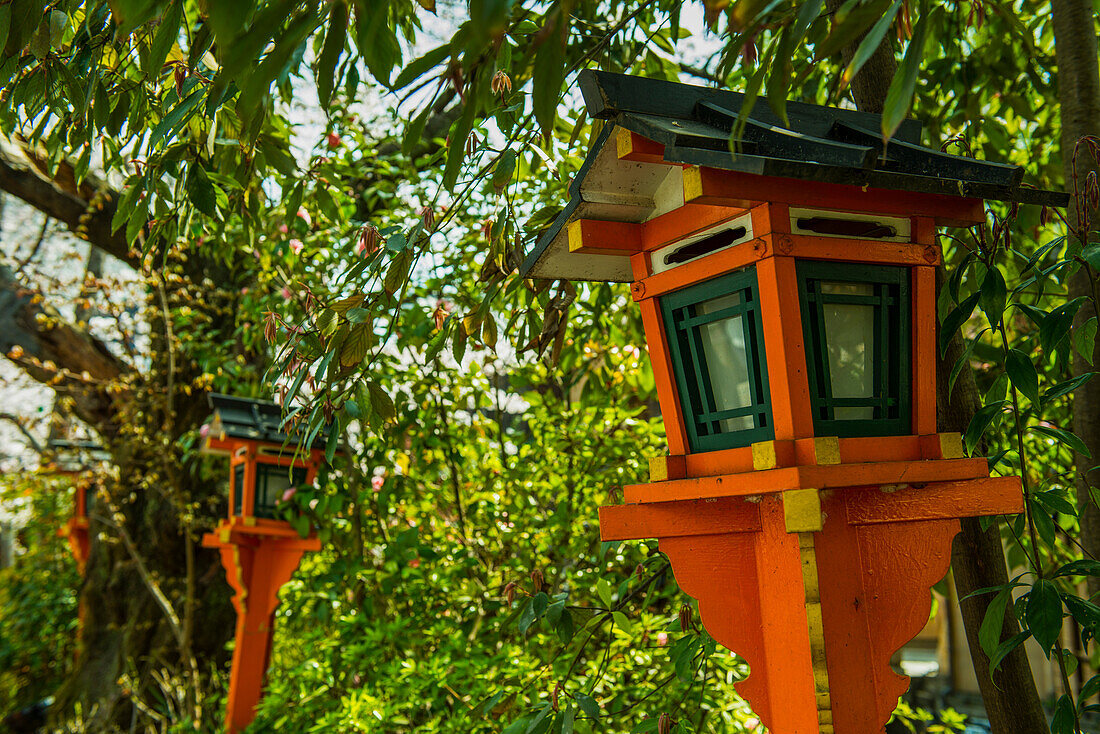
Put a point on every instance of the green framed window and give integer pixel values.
(856, 324)
(272, 481)
(717, 349)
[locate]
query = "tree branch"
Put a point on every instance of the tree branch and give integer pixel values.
(50, 350)
(86, 210)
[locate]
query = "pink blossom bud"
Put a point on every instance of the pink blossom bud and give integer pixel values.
(286, 293)
(288, 495)
(662, 639)
(283, 229)
(377, 482)
(304, 216)
(296, 246)
(333, 141)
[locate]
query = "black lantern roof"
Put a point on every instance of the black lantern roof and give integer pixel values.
(695, 125)
(76, 456)
(254, 420)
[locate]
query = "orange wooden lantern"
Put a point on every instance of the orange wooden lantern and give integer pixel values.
(789, 301)
(259, 551)
(76, 459)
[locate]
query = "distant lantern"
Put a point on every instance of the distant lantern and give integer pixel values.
(264, 462)
(259, 550)
(78, 459)
(788, 296)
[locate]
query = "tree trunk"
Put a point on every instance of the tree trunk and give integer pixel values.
(1079, 98)
(1012, 702)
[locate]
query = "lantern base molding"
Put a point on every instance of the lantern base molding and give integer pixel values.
(258, 559)
(815, 587)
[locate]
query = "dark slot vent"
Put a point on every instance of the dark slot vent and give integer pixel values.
(704, 246)
(858, 228)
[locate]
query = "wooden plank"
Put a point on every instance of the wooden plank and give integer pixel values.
(672, 413)
(630, 146)
(703, 185)
(684, 221)
(784, 352)
(815, 247)
(599, 237)
(924, 350)
(715, 463)
(937, 501)
(832, 476)
(677, 519)
(705, 268)
(864, 449)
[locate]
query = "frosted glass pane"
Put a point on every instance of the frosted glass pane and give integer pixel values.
(727, 361)
(850, 342)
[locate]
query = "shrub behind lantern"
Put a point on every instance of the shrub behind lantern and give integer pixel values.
(787, 293)
(259, 550)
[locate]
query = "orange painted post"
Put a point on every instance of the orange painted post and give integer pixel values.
(807, 503)
(259, 550)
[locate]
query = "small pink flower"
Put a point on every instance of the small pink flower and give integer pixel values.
(244, 291)
(286, 293)
(296, 246)
(304, 216)
(752, 723)
(333, 140)
(288, 495)
(662, 639)
(283, 229)
(377, 482)
(204, 430)
(414, 563)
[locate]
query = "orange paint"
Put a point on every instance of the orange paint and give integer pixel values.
(785, 354)
(630, 146)
(256, 567)
(597, 237)
(671, 411)
(705, 268)
(924, 350)
(685, 221)
(730, 188)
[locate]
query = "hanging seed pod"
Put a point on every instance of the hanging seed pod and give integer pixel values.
(510, 591)
(664, 724)
(685, 618)
(538, 581)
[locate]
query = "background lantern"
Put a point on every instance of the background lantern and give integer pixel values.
(259, 550)
(788, 298)
(78, 459)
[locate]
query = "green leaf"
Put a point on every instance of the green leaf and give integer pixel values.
(352, 408)
(176, 117)
(375, 39)
(1084, 339)
(1091, 255)
(1063, 720)
(398, 272)
(333, 441)
(527, 618)
(547, 77)
(588, 705)
(421, 66)
(994, 295)
(415, 131)
(1021, 371)
(603, 588)
(567, 720)
(1005, 648)
(1080, 567)
(381, 403)
(460, 132)
(989, 635)
(1063, 436)
(5, 25)
(357, 346)
(869, 44)
(201, 191)
(1044, 524)
(166, 36)
(1090, 689)
(1043, 614)
(1084, 611)
(227, 19)
(502, 173)
(1056, 502)
(257, 84)
(849, 23)
(958, 316)
(900, 95)
(335, 36)
(793, 36)
(963, 361)
(979, 423)
(1067, 387)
